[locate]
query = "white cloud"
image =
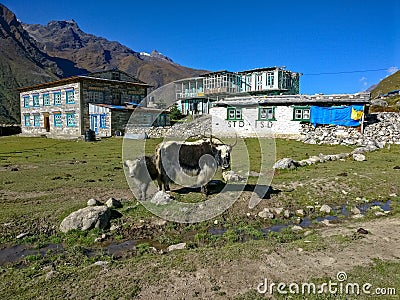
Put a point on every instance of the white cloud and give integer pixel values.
(392, 70)
(363, 79)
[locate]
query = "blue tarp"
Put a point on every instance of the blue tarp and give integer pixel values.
(336, 115)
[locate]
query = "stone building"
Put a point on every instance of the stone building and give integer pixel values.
(197, 95)
(283, 116)
(61, 108)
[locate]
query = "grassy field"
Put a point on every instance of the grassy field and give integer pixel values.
(43, 180)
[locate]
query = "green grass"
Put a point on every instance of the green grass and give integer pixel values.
(43, 180)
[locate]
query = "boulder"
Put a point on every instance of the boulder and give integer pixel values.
(230, 176)
(266, 214)
(179, 246)
(93, 202)
(87, 218)
(359, 157)
(113, 203)
(285, 163)
(161, 198)
(325, 209)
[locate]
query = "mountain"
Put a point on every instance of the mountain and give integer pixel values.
(388, 84)
(64, 39)
(31, 54)
(21, 63)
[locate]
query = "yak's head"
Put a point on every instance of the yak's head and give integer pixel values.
(223, 154)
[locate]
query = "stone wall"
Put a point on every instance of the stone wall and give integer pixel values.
(379, 128)
(200, 126)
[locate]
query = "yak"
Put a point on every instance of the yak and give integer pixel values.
(143, 170)
(193, 163)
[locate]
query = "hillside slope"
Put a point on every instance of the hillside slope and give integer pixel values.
(21, 63)
(388, 84)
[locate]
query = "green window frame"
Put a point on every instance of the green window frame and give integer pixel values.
(36, 120)
(301, 113)
(26, 101)
(71, 120)
(46, 99)
(266, 113)
(57, 98)
(27, 120)
(35, 99)
(70, 97)
(234, 113)
(57, 120)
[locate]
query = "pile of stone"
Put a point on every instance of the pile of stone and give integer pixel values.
(201, 125)
(357, 155)
(379, 129)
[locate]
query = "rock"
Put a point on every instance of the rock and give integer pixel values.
(161, 198)
(93, 202)
(114, 227)
(230, 176)
(22, 235)
(379, 214)
(325, 209)
(393, 195)
(297, 228)
(278, 210)
(358, 157)
(300, 212)
(326, 222)
(355, 211)
(159, 222)
(358, 216)
(287, 214)
(285, 163)
(87, 218)
(362, 231)
(113, 203)
(179, 246)
(266, 214)
(215, 222)
(101, 263)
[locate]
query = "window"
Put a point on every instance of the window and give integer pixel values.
(26, 101)
(46, 99)
(115, 76)
(234, 113)
(57, 120)
(270, 79)
(36, 120)
(136, 99)
(116, 98)
(70, 119)
(69, 97)
(57, 98)
(96, 96)
(27, 120)
(103, 119)
(301, 113)
(35, 100)
(259, 82)
(266, 113)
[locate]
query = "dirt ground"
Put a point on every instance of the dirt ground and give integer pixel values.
(236, 277)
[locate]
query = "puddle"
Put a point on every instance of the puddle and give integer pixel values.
(18, 252)
(384, 205)
(275, 228)
(217, 231)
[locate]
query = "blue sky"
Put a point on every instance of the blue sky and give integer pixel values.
(310, 37)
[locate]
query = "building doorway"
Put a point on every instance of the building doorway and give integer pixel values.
(46, 122)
